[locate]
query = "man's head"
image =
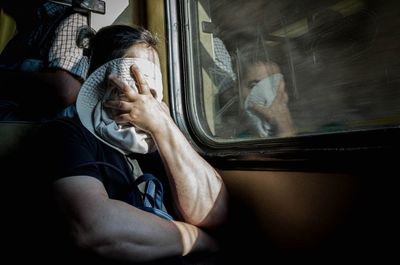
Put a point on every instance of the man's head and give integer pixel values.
(255, 64)
(255, 72)
(120, 41)
(114, 50)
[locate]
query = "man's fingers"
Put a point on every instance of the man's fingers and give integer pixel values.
(125, 91)
(123, 119)
(153, 92)
(281, 93)
(257, 109)
(117, 105)
(114, 81)
(141, 84)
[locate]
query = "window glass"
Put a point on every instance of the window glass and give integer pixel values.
(281, 68)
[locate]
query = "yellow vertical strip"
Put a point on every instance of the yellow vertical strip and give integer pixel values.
(156, 24)
(7, 29)
(207, 43)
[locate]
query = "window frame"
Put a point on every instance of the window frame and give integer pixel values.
(336, 151)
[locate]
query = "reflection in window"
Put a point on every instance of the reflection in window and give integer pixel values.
(262, 69)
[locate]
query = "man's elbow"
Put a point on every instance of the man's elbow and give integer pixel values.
(218, 214)
(87, 238)
(217, 217)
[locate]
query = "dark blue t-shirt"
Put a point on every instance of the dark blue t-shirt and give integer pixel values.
(68, 149)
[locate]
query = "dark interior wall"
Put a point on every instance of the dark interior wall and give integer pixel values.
(300, 216)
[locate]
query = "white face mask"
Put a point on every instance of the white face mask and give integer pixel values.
(262, 94)
(95, 91)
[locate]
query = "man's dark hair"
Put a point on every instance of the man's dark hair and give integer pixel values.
(111, 42)
(258, 55)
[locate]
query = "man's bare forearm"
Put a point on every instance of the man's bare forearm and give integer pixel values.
(197, 188)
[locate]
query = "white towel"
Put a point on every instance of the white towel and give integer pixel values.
(95, 91)
(262, 94)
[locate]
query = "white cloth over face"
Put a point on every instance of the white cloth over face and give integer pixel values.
(96, 89)
(262, 94)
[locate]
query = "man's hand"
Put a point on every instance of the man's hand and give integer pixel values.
(278, 113)
(278, 106)
(140, 109)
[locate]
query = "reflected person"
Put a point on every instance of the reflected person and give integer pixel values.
(265, 99)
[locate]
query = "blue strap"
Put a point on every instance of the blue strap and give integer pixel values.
(154, 192)
(152, 197)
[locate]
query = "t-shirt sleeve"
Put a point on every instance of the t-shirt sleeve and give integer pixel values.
(64, 52)
(68, 151)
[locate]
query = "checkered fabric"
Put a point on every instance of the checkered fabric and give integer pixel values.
(62, 52)
(222, 72)
(222, 57)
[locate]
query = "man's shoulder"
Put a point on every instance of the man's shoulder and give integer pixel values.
(65, 126)
(65, 135)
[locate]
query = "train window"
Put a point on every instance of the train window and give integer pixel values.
(274, 69)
